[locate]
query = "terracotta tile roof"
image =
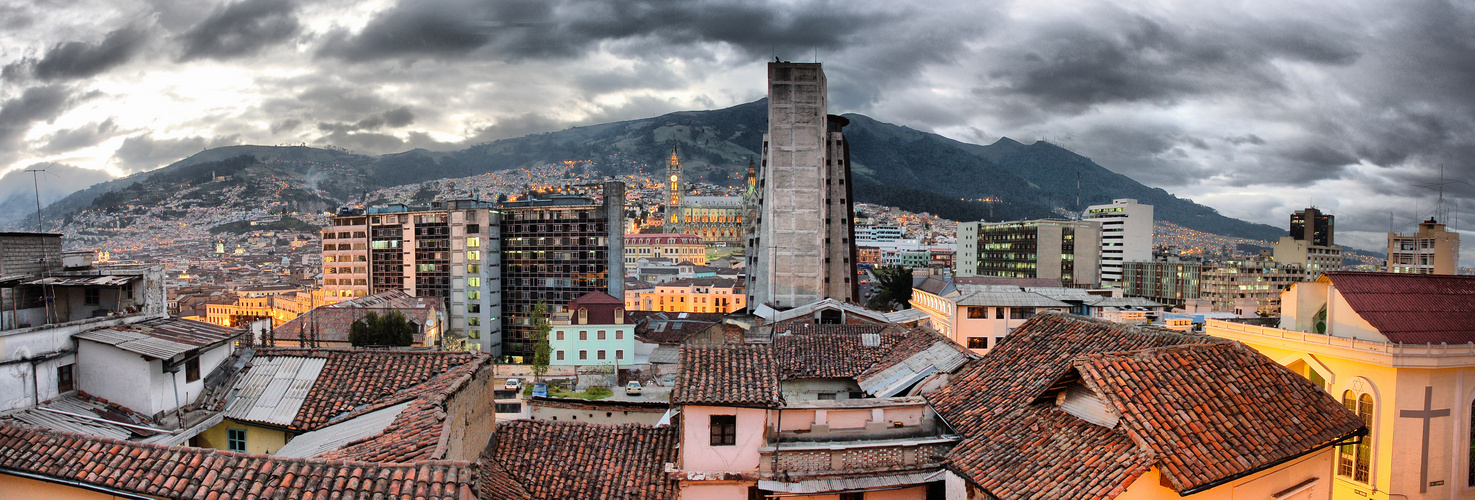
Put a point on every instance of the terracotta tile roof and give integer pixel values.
(353, 378)
(419, 431)
(729, 375)
(1215, 411)
(670, 327)
(833, 351)
(179, 472)
(1018, 444)
(1051, 454)
(557, 460)
(1412, 308)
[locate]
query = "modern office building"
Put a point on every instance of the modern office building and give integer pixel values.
(1169, 280)
(1430, 250)
(1314, 227)
(802, 249)
(556, 250)
(1311, 243)
(1126, 235)
(449, 250)
(1068, 251)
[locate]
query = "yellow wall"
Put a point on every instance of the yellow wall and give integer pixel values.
(261, 440)
(1259, 486)
(1396, 382)
(684, 299)
(12, 487)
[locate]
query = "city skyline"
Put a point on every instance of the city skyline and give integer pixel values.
(1256, 110)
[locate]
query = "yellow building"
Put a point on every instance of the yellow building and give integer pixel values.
(250, 305)
(677, 247)
(699, 295)
(1399, 350)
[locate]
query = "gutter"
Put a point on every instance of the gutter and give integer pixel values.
(1360, 432)
(75, 484)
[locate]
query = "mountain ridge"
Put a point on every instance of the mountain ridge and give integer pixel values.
(891, 164)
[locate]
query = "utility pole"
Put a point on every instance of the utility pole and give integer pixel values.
(36, 182)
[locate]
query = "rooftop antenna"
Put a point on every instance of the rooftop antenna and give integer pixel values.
(1079, 215)
(35, 181)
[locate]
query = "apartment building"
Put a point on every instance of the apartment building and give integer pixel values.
(1126, 235)
(1430, 250)
(1069, 251)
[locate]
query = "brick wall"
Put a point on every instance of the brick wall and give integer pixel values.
(472, 415)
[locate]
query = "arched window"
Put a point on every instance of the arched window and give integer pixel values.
(1354, 461)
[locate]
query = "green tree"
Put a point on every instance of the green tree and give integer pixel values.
(893, 288)
(391, 329)
(542, 351)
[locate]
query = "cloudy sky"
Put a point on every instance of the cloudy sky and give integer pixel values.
(1254, 108)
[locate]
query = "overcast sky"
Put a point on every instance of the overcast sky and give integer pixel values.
(1253, 108)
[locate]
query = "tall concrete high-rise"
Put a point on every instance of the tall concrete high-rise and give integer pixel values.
(1126, 236)
(802, 247)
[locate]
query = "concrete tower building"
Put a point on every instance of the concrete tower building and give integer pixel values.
(1313, 226)
(1126, 236)
(802, 248)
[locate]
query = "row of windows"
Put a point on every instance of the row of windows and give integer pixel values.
(584, 355)
(584, 335)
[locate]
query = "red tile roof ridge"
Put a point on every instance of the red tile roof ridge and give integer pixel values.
(77, 457)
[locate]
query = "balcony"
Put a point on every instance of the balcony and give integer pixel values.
(855, 436)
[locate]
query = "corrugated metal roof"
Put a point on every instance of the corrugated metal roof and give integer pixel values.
(85, 281)
(335, 436)
(64, 418)
(1412, 308)
(161, 338)
(1008, 299)
(137, 342)
(274, 389)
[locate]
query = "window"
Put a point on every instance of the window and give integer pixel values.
(473, 294)
(583, 335)
(619, 334)
(235, 439)
(558, 334)
(826, 396)
(473, 242)
(724, 430)
(583, 355)
(600, 354)
(978, 342)
(473, 321)
(192, 370)
(559, 355)
(1021, 312)
(977, 313)
(64, 380)
(853, 496)
(473, 255)
(619, 354)
(600, 335)
(1355, 459)
(473, 334)
(473, 282)
(998, 313)
(91, 296)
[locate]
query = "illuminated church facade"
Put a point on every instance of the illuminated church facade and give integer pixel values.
(718, 220)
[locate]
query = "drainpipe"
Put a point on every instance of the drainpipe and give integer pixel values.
(35, 384)
(777, 440)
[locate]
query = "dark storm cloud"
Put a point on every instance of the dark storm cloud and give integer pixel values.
(35, 104)
(78, 60)
(287, 125)
(1123, 57)
(240, 29)
(522, 29)
(394, 118)
(143, 152)
(80, 137)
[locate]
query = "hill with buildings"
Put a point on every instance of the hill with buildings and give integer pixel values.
(892, 165)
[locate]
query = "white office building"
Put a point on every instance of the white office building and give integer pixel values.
(1126, 236)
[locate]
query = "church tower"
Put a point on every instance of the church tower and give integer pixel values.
(673, 197)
